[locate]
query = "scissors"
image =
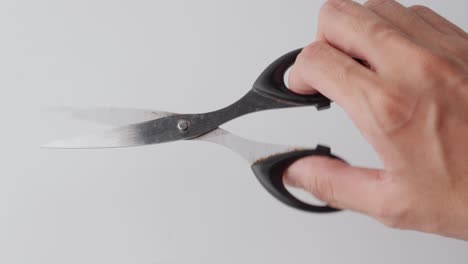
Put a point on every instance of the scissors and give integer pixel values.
(268, 162)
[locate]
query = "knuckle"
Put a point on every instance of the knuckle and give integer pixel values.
(391, 107)
(401, 213)
(433, 65)
(432, 222)
(428, 59)
(314, 49)
(394, 110)
(394, 221)
(349, 68)
(330, 7)
(394, 213)
(421, 9)
(336, 4)
(463, 88)
(456, 46)
(383, 31)
(376, 3)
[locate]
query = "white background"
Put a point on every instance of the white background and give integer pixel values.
(184, 202)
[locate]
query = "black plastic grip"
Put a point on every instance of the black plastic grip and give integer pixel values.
(271, 83)
(270, 171)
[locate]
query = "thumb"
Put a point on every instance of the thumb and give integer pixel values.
(337, 183)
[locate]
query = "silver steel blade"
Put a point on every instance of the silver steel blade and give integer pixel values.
(150, 132)
(248, 149)
(112, 116)
(154, 127)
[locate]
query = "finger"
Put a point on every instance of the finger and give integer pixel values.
(358, 32)
(405, 20)
(437, 21)
(334, 74)
(338, 184)
(299, 84)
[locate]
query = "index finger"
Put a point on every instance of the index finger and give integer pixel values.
(334, 74)
(359, 32)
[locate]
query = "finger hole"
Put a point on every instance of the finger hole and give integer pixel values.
(286, 79)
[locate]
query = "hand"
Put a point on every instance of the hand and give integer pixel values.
(410, 101)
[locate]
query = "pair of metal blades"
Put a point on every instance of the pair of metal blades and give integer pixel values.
(137, 127)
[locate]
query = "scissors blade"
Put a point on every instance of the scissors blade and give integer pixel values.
(112, 116)
(250, 150)
(150, 132)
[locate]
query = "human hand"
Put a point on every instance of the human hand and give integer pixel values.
(409, 100)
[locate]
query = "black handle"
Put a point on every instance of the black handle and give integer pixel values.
(271, 83)
(270, 174)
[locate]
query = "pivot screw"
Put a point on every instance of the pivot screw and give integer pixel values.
(183, 125)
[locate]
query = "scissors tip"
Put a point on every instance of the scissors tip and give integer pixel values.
(111, 139)
(74, 143)
(58, 144)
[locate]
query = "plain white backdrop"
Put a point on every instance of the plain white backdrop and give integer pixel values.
(184, 202)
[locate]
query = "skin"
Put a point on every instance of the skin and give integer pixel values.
(409, 99)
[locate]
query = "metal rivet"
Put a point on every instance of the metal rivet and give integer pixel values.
(183, 125)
